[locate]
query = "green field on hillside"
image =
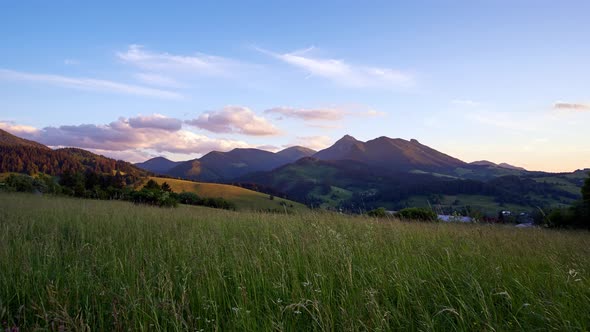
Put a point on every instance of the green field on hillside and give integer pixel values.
(78, 265)
(244, 199)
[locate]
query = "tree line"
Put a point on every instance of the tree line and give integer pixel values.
(107, 187)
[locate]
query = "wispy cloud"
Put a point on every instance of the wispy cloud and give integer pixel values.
(344, 73)
(561, 105)
(158, 80)
(465, 102)
(71, 62)
(322, 114)
(88, 84)
(235, 119)
(199, 63)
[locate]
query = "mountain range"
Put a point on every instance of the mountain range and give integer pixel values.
(349, 175)
(387, 154)
(222, 166)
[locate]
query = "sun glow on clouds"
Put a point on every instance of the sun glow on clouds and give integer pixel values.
(132, 138)
(235, 119)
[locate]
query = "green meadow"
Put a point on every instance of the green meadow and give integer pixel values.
(81, 265)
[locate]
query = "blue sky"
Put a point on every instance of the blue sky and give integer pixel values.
(506, 81)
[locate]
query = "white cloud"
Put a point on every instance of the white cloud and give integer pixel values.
(235, 119)
(343, 73)
(465, 102)
(71, 62)
(158, 80)
(88, 84)
(138, 56)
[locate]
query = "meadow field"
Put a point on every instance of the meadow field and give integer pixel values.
(244, 199)
(74, 264)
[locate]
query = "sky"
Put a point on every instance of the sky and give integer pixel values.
(505, 81)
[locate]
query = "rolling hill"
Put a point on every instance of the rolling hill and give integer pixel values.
(244, 199)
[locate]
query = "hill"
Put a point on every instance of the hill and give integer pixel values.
(244, 199)
(24, 156)
(354, 186)
(295, 153)
(501, 165)
(158, 165)
(9, 140)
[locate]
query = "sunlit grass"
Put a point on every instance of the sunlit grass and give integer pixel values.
(244, 199)
(75, 264)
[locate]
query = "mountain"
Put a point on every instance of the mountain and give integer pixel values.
(159, 165)
(501, 165)
(395, 154)
(295, 153)
(223, 166)
(483, 163)
(508, 166)
(7, 139)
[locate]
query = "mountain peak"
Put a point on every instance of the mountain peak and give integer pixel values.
(346, 138)
(296, 152)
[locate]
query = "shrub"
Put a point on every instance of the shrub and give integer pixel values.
(189, 198)
(415, 213)
(377, 213)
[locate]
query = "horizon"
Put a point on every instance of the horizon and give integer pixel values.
(501, 82)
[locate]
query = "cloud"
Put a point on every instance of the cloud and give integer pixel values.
(71, 62)
(156, 121)
(560, 105)
(120, 137)
(88, 84)
(158, 80)
(318, 114)
(312, 142)
(16, 129)
(343, 73)
(138, 56)
(321, 114)
(372, 113)
(234, 119)
(465, 102)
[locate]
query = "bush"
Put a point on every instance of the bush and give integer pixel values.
(153, 197)
(189, 198)
(378, 213)
(414, 213)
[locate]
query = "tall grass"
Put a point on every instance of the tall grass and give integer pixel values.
(68, 264)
